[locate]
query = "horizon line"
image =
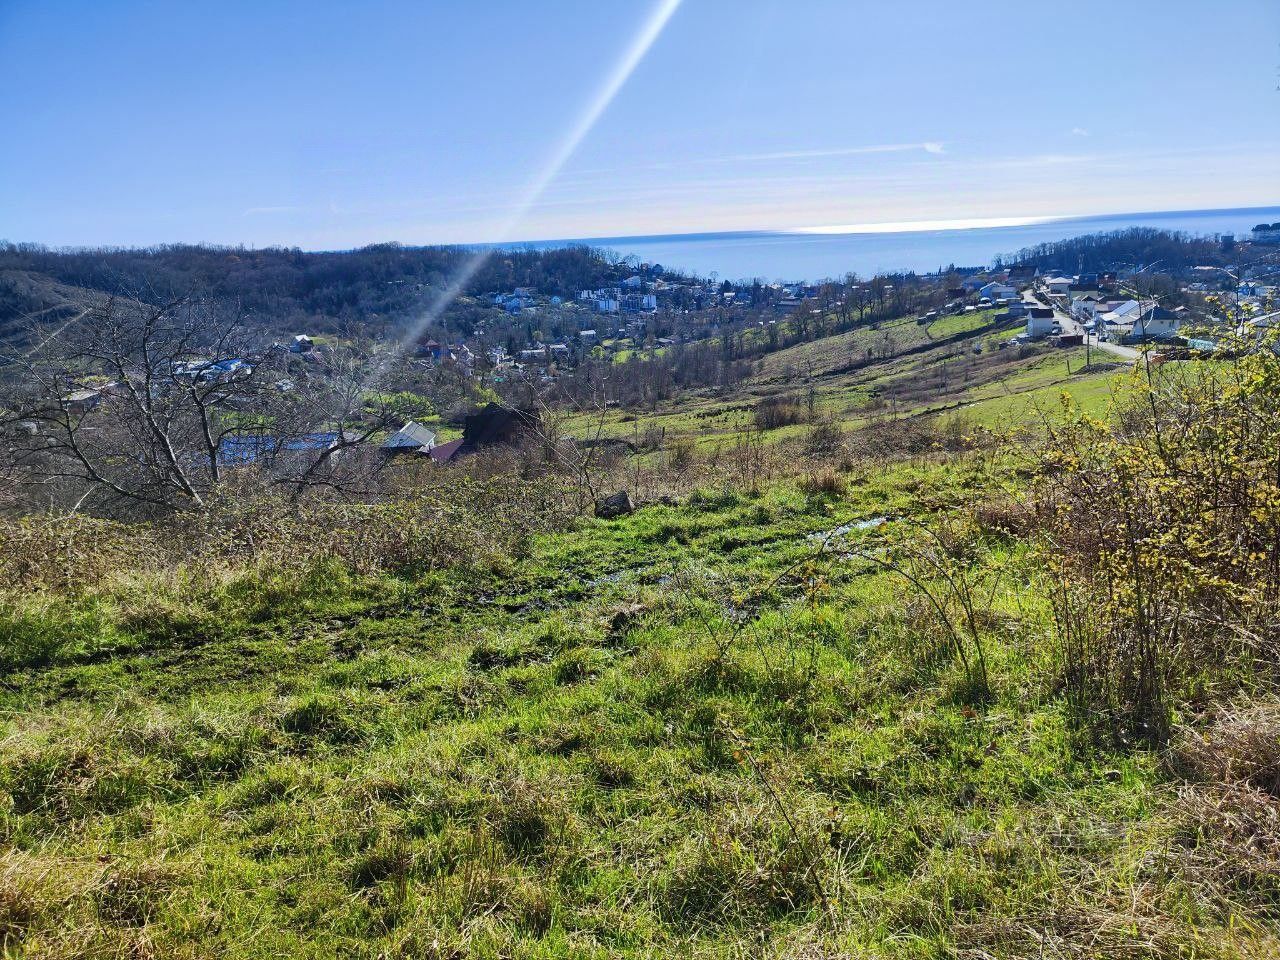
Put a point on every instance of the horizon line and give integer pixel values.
(865, 229)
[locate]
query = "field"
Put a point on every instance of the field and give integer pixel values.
(900, 370)
(796, 705)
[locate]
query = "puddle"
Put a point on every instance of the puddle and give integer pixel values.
(847, 528)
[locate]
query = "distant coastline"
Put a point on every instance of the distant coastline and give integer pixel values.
(813, 253)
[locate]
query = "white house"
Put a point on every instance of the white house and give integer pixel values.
(1084, 308)
(1156, 323)
(1040, 322)
(588, 336)
(606, 305)
(995, 290)
(1058, 286)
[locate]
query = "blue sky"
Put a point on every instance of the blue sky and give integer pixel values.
(330, 125)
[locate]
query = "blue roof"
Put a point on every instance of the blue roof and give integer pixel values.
(243, 449)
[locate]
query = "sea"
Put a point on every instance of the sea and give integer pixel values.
(867, 249)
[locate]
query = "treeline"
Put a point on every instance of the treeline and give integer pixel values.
(1132, 247)
(315, 291)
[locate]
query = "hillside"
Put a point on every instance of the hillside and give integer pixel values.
(962, 366)
(798, 704)
(919, 643)
(282, 290)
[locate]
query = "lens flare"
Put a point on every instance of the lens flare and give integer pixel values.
(594, 109)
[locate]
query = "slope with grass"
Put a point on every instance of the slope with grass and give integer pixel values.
(716, 727)
(899, 370)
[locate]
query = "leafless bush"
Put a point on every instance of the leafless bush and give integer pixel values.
(773, 412)
(432, 519)
(825, 438)
(823, 480)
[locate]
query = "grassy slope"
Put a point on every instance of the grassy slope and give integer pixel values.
(648, 739)
(904, 376)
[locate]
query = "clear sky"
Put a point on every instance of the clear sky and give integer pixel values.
(330, 125)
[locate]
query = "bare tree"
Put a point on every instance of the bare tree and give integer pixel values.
(141, 408)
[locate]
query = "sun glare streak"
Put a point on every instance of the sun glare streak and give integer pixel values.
(595, 108)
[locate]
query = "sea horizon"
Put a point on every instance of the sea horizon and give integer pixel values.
(817, 252)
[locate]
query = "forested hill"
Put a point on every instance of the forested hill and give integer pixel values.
(1132, 247)
(287, 286)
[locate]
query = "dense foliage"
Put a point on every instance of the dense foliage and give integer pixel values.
(315, 291)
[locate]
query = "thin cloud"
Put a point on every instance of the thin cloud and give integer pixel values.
(1079, 132)
(267, 211)
(930, 146)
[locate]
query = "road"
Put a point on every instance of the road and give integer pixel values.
(1071, 326)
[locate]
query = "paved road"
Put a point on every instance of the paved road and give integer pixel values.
(1071, 326)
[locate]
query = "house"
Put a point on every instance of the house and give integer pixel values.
(633, 283)
(248, 449)
(445, 451)
(212, 371)
(1040, 322)
(1156, 323)
(606, 305)
(301, 344)
(81, 401)
(430, 348)
(1266, 233)
(588, 336)
(493, 426)
(1263, 328)
(1021, 274)
(1058, 286)
(461, 355)
(1116, 316)
(413, 437)
(995, 290)
(1085, 306)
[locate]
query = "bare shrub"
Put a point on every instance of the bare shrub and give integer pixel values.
(825, 439)
(681, 454)
(823, 481)
(774, 412)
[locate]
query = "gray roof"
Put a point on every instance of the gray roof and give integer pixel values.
(412, 436)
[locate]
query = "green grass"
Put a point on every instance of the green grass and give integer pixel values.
(689, 731)
(905, 375)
